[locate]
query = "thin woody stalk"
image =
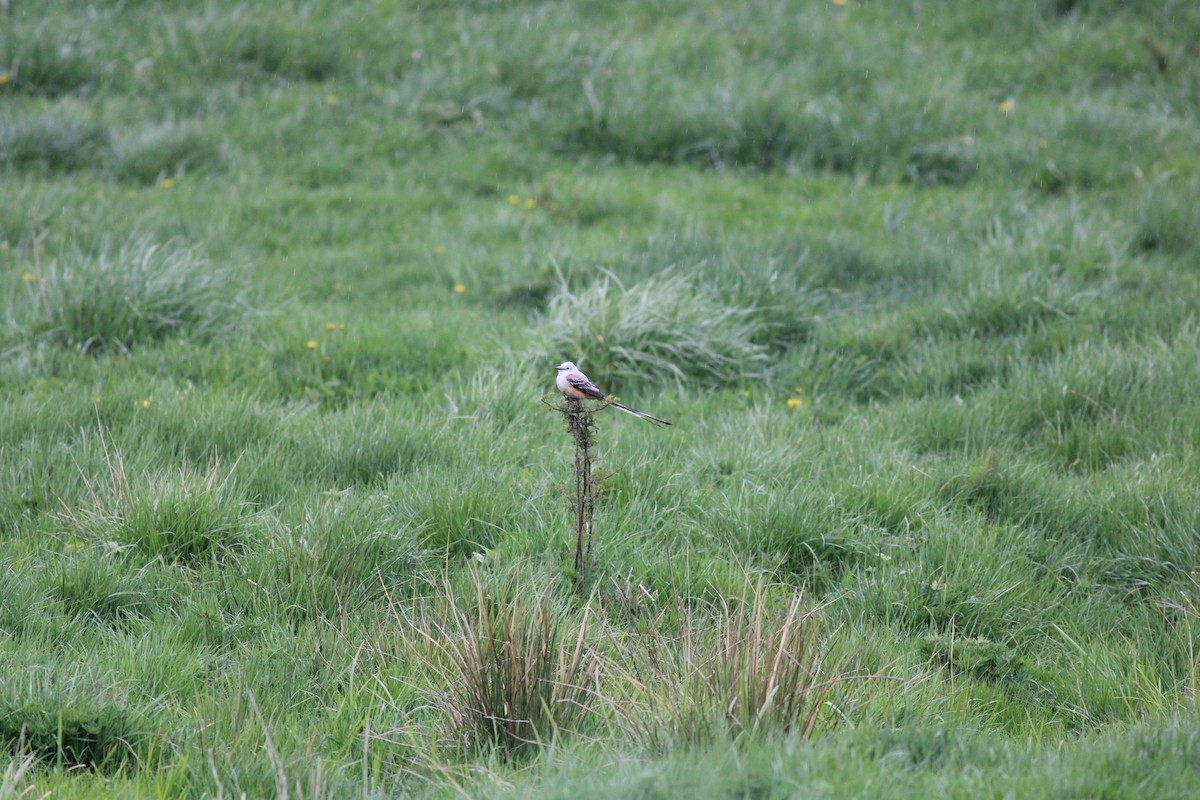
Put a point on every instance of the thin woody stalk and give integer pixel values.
(590, 489)
(579, 422)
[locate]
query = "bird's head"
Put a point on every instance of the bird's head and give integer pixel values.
(565, 366)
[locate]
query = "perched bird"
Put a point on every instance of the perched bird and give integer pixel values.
(574, 384)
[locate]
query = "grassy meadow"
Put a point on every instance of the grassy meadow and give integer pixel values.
(282, 289)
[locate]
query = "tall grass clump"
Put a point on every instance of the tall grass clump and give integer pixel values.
(507, 669)
(665, 326)
(1167, 219)
(462, 509)
(1184, 612)
(751, 664)
(790, 525)
(52, 141)
(13, 782)
(96, 589)
(166, 149)
(116, 297)
(71, 719)
(783, 278)
(20, 602)
(178, 516)
(337, 558)
(54, 57)
(259, 45)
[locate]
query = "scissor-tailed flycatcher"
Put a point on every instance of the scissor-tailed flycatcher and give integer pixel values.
(575, 384)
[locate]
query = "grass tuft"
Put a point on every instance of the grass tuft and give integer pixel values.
(73, 721)
(665, 327)
(947, 163)
(98, 590)
(52, 141)
(20, 603)
(13, 782)
(1167, 219)
(179, 517)
(138, 292)
(166, 150)
(744, 665)
(339, 558)
(277, 45)
(50, 60)
(508, 670)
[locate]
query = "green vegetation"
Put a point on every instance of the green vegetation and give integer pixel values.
(281, 289)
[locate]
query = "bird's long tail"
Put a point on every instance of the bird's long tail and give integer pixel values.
(638, 414)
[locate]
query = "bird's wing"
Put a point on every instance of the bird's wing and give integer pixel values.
(580, 382)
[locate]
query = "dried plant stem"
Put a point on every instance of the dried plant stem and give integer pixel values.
(579, 422)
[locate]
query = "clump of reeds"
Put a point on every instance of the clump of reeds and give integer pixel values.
(742, 665)
(508, 669)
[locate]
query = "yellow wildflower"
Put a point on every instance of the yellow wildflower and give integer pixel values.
(142, 403)
(839, 2)
(459, 288)
(5, 78)
(530, 203)
(168, 183)
(311, 344)
(331, 99)
(1006, 106)
(514, 199)
(29, 277)
(795, 402)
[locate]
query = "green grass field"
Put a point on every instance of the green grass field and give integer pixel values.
(282, 289)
